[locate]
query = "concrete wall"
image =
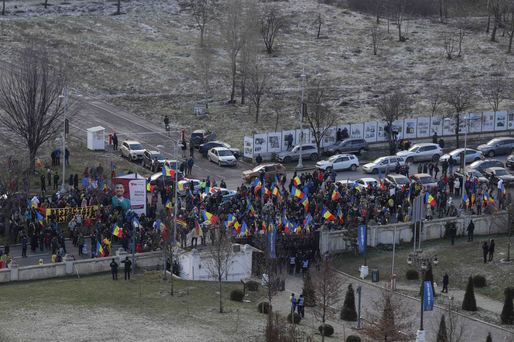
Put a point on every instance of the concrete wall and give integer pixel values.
(69, 267)
(333, 241)
(195, 265)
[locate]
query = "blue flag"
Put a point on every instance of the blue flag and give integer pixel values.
(272, 244)
(428, 296)
(361, 239)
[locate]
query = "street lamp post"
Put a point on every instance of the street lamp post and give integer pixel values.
(300, 157)
(359, 292)
(65, 96)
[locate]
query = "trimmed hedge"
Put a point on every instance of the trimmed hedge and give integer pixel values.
(263, 307)
(412, 275)
(252, 285)
(479, 281)
(237, 295)
(297, 318)
(353, 338)
(329, 330)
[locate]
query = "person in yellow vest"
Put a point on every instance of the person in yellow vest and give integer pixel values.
(40, 262)
(54, 258)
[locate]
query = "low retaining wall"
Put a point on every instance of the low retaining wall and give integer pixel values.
(73, 267)
(334, 242)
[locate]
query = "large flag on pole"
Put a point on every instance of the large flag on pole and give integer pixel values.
(361, 238)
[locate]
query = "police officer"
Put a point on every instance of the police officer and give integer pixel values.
(301, 306)
(128, 267)
(114, 269)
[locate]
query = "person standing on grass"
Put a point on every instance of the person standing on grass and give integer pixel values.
(491, 249)
(114, 142)
(485, 251)
(446, 281)
(114, 270)
(470, 230)
(43, 183)
(128, 267)
(190, 164)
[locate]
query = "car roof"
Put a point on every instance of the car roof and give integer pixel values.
(342, 155)
(368, 179)
(220, 148)
(197, 131)
(131, 142)
(425, 144)
(153, 152)
(494, 168)
(306, 145)
(419, 175)
(396, 175)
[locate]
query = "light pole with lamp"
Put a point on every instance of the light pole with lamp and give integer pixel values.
(65, 97)
(300, 157)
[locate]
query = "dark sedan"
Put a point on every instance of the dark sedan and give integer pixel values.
(497, 173)
(206, 147)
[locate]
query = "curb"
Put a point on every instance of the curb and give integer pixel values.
(418, 300)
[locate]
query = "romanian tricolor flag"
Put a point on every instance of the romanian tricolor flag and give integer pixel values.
(430, 199)
(237, 227)
(340, 215)
(231, 219)
(465, 198)
(305, 203)
(327, 214)
(267, 192)
(297, 192)
(149, 187)
(117, 231)
(100, 249)
(181, 222)
(169, 205)
(211, 218)
(250, 208)
(40, 218)
(297, 229)
(244, 229)
(297, 181)
(276, 192)
(336, 195)
(166, 171)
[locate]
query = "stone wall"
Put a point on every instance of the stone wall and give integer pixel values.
(333, 241)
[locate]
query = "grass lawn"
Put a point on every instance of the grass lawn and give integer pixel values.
(460, 261)
(145, 299)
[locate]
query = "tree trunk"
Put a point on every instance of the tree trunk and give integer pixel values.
(243, 90)
(377, 9)
(3, 7)
(441, 11)
(46, 4)
(233, 91)
(257, 109)
(510, 42)
(457, 130)
(118, 11)
(493, 33)
(32, 158)
(488, 17)
(221, 295)
(399, 31)
(202, 30)
(278, 115)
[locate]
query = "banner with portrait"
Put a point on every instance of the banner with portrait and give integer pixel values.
(248, 147)
(302, 135)
(410, 128)
(288, 139)
(129, 193)
(475, 122)
(510, 119)
(370, 131)
(423, 127)
(436, 125)
(357, 131)
(398, 128)
(500, 121)
(260, 144)
(381, 135)
(274, 142)
(449, 126)
(330, 137)
(488, 121)
(63, 215)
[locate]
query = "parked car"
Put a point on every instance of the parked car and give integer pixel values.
(396, 180)
(425, 179)
(339, 162)
(497, 173)
(153, 160)
(156, 178)
(497, 146)
(132, 150)
(366, 182)
(510, 161)
(201, 136)
(185, 184)
(226, 194)
(269, 170)
(470, 156)
(383, 164)
(206, 147)
(222, 156)
(422, 152)
(472, 173)
(347, 146)
(308, 151)
(481, 165)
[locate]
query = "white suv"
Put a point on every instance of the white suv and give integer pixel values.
(339, 162)
(422, 152)
(132, 150)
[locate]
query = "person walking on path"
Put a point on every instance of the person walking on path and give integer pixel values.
(43, 183)
(470, 230)
(24, 243)
(128, 267)
(114, 270)
(114, 142)
(485, 251)
(190, 163)
(292, 264)
(301, 306)
(56, 180)
(491, 250)
(191, 149)
(293, 305)
(446, 281)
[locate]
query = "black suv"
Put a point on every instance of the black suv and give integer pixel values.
(348, 146)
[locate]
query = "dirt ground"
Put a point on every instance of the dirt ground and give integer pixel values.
(144, 59)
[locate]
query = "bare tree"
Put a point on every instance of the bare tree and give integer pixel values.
(318, 22)
(435, 102)
(203, 57)
(272, 22)
(278, 105)
(494, 91)
(220, 257)
(391, 322)
(454, 328)
(459, 98)
(3, 7)
(495, 9)
(449, 40)
(327, 285)
(391, 107)
(204, 11)
(398, 10)
(231, 31)
(375, 38)
(45, 4)
(509, 24)
(118, 8)
(317, 113)
(258, 83)
(30, 102)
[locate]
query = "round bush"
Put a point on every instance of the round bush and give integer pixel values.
(297, 318)
(263, 307)
(353, 338)
(237, 295)
(329, 330)
(479, 281)
(412, 275)
(252, 285)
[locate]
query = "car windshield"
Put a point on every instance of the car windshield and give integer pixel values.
(379, 160)
(455, 152)
(224, 153)
(493, 142)
(401, 180)
(501, 172)
(414, 149)
(333, 158)
(194, 135)
(136, 146)
(426, 179)
(475, 173)
(157, 156)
